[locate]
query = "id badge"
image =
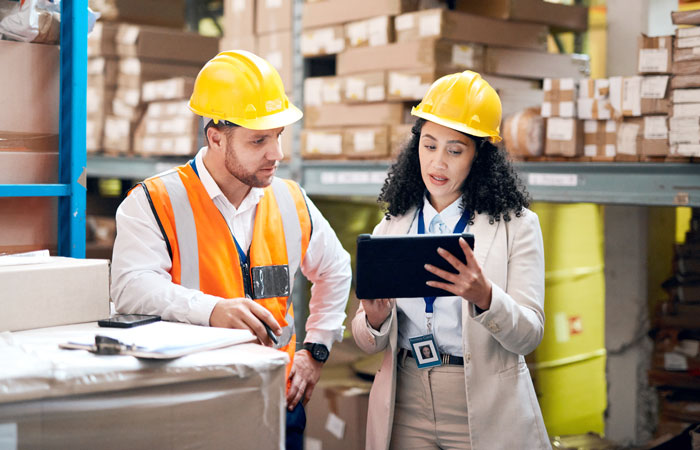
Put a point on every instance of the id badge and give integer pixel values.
(425, 351)
(270, 281)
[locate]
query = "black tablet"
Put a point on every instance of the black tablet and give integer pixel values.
(393, 266)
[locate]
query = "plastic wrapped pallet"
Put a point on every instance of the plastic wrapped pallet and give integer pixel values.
(53, 398)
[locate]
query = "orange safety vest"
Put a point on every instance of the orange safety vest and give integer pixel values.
(203, 250)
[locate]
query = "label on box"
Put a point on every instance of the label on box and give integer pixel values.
(686, 149)
(610, 150)
(686, 96)
(404, 22)
(546, 110)
(312, 91)
(627, 139)
(310, 44)
(375, 94)
(610, 126)
(655, 127)
(378, 31)
(654, 87)
(312, 443)
(429, 25)
(631, 96)
(275, 58)
(357, 33)
(331, 91)
(463, 56)
(128, 34)
(335, 426)
(559, 129)
(324, 143)
(653, 60)
(585, 108)
(567, 109)
(590, 126)
(403, 85)
(354, 88)
(547, 84)
(363, 141)
(684, 137)
(238, 5)
(590, 150)
(686, 109)
(688, 42)
(271, 4)
(688, 32)
(675, 361)
(96, 66)
(335, 46)
(684, 123)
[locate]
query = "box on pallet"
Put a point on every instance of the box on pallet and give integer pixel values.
(370, 32)
(600, 139)
(355, 115)
(559, 97)
(323, 41)
(163, 44)
(655, 54)
(535, 65)
(322, 143)
(366, 142)
(323, 90)
(239, 18)
(101, 41)
(365, 87)
(456, 26)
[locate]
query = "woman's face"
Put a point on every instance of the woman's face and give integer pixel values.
(446, 157)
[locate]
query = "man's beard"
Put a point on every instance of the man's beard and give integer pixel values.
(235, 168)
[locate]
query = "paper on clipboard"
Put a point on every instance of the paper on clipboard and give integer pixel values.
(163, 340)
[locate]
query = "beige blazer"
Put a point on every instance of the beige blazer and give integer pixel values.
(502, 406)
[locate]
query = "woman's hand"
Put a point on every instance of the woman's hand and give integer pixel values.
(469, 283)
(377, 310)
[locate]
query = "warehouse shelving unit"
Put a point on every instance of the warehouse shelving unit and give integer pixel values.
(70, 190)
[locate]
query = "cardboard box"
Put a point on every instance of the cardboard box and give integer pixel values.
(598, 88)
(323, 90)
(249, 43)
(559, 97)
(564, 137)
(677, 137)
(322, 143)
(629, 138)
(278, 50)
(370, 32)
(94, 132)
(168, 89)
(28, 224)
(102, 72)
(119, 134)
(163, 44)
(685, 150)
(28, 158)
(440, 23)
(163, 13)
(366, 142)
(31, 88)
(655, 138)
(686, 109)
(654, 95)
(133, 72)
(400, 135)
(239, 18)
(323, 41)
(685, 67)
(626, 96)
(686, 54)
(440, 54)
(336, 416)
(594, 108)
(535, 65)
(684, 123)
(655, 54)
(272, 16)
(562, 17)
(686, 96)
(365, 87)
(59, 292)
(355, 115)
(514, 100)
(333, 12)
(408, 85)
(169, 128)
(102, 40)
(691, 17)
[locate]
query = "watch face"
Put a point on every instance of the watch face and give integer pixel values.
(319, 352)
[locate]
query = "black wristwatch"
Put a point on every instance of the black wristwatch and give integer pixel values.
(319, 352)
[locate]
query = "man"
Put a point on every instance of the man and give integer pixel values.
(218, 241)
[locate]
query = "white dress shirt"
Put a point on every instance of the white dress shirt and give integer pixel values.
(141, 283)
(447, 311)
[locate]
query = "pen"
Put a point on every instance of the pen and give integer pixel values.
(270, 333)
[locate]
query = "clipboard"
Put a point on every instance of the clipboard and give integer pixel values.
(393, 266)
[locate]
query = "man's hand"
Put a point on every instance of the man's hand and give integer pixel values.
(246, 314)
(303, 378)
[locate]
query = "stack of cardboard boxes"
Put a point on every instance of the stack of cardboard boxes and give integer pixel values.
(263, 27)
(615, 119)
(131, 55)
(676, 357)
(684, 134)
(388, 52)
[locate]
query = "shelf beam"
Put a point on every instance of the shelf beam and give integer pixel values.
(34, 190)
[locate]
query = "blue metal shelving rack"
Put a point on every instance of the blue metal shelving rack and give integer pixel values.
(71, 189)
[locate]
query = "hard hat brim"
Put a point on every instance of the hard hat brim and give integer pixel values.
(494, 138)
(281, 119)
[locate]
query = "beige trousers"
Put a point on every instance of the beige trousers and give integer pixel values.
(431, 408)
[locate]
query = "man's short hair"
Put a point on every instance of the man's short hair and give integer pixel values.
(222, 126)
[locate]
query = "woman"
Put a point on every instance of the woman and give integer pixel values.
(480, 396)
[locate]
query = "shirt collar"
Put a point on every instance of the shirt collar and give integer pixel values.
(450, 215)
(213, 189)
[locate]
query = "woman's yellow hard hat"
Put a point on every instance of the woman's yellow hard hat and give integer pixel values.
(243, 88)
(464, 102)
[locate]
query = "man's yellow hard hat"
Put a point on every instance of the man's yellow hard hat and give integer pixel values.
(240, 87)
(464, 102)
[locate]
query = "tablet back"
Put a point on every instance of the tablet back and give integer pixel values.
(392, 266)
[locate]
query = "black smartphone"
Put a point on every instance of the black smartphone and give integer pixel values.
(127, 320)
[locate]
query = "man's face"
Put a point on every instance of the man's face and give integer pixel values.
(252, 156)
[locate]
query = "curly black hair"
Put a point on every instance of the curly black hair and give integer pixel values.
(492, 186)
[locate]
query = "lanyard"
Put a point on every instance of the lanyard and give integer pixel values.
(459, 228)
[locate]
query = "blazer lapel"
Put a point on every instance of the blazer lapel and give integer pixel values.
(484, 234)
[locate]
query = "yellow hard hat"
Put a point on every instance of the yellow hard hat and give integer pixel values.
(243, 88)
(464, 102)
